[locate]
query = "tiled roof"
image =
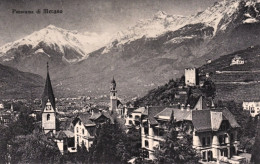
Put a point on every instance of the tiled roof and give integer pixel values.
(108, 115)
(130, 110)
(178, 114)
(95, 115)
(85, 118)
(68, 133)
(139, 110)
(65, 124)
(152, 111)
(201, 120)
(230, 117)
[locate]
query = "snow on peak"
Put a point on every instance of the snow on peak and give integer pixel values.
(50, 26)
(59, 38)
(160, 15)
(218, 16)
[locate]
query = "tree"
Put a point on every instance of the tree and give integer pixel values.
(176, 149)
(24, 125)
(134, 141)
(34, 148)
(256, 148)
(109, 145)
(209, 88)
(5, 136)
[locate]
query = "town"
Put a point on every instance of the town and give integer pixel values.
(76, 129)
(130, 82)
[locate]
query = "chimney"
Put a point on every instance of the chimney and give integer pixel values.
(188, 107)
(92, 112)
(182, 107)
(212, 104)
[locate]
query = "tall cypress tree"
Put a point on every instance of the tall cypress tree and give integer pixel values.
(256, 149)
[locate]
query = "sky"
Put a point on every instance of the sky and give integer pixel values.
(99, 16)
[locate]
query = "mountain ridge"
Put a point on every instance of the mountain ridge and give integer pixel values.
(153, 51)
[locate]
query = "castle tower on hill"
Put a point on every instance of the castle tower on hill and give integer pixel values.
(48, 104)
(191, 77)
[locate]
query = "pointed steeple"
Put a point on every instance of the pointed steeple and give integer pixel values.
(48, 92)
(113, 84)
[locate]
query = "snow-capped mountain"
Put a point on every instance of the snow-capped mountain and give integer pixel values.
(158, 49)
(142, 56)
(51, 43)
(219, 16)
(60, 39)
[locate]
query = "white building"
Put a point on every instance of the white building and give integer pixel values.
(214, 132)
(85, 127)
(134, 117)
(252, 106)
(237, 60)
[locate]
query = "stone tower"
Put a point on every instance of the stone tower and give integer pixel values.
(113, 96)
(48, 104)
(191, 77)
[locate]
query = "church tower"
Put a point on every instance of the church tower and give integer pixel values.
(113, 96)
(48, 104)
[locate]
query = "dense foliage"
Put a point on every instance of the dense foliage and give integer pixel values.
(34, 148)
(110, 145)
(247, 132)
(177, 147)
(256, 148)
(164, 95)
(23, 126)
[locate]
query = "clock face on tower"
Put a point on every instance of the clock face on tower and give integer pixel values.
(48, 107)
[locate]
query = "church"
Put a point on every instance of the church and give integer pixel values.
(115, 104)
(48, 107)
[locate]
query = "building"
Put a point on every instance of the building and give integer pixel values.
(252, 106)
(191, 76)
(134, 117)
(115, 104)
(214, 132)
(8, 116)
(65, 141)
(48, 106)
(86, 125)
(237, 60)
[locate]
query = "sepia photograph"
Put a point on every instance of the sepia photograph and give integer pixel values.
(129, 82)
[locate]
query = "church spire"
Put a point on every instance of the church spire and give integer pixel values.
(113, 84)
(48, 92)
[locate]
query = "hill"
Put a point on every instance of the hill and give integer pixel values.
(232, 82)
(236, 82)
(17, 84)
(143, 56)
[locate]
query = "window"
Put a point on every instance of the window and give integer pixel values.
(130, 116)
(208, 140)
(79, 122)
(77, 139)
(204, 155)
(146, 130)
(82, 131)
(77, 129)
(146, 143)
(221, 139)
(252, 110)
(48, 117)
(137, 117)
(130, 122)
(203, 141)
